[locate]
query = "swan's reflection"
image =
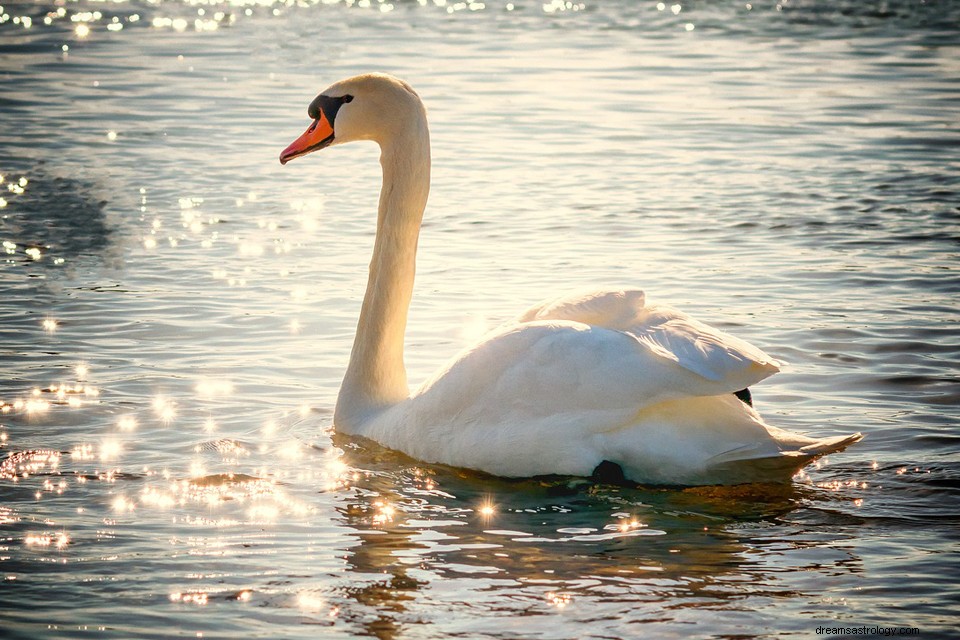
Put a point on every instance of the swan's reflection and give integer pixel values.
(382, 585)
(560, 543)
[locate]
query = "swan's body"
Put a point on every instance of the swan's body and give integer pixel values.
(572, 382)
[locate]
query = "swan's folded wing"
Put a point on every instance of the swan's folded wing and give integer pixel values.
(560, 368)
(702, 349)
(608, 308)
(671, 334)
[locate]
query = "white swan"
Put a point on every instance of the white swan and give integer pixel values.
(570, 384)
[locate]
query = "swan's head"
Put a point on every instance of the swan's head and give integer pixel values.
(373, 106)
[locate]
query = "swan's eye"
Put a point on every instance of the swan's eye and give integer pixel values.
(347, 98)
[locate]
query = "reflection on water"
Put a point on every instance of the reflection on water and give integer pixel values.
(177, 312)
(55, 218)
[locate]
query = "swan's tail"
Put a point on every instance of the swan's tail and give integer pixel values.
(746, 464)
(830, 445)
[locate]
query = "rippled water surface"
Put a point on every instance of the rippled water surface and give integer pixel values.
(176, 311)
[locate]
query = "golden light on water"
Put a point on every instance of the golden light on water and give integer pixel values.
(197, 468)
(62, 540)
(263, 513)
(384, 513)
(310, 601)
(628, 525)
(37, 540)
(212, 387)
(110, 450)
(159, 499)
(82, 452)
(291, 450)
(82, 30)
(49, 325)
(121, 504)
(487, 509)
(198, 597)
(127, 423)
(33, 405)
(336, 468)
(559, 600)
(165, 409)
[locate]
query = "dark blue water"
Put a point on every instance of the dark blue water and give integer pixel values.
(176, 312)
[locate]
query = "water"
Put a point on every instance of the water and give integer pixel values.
(177, 310)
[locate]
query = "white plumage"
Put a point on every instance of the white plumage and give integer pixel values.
(572, 382)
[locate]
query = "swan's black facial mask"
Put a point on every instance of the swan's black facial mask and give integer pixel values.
(323, 112)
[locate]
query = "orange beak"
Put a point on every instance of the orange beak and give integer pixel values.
(318, 136)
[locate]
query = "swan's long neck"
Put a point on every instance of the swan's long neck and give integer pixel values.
(376, 377)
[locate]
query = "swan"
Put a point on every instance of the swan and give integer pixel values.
(592, 381)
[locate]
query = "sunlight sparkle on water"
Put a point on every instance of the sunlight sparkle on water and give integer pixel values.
(35, 540)
(198, 598)
(165, 409)
(82, 452)
(310, 601)
(487, 509)
(122, 505)
(110, 450)
(559, 600)
(154, 498)
(62, 540)
(263, 513)
(291, 450)
(212, 387)
(197, 468)
(384, 514)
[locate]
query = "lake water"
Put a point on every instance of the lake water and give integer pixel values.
(177, 309)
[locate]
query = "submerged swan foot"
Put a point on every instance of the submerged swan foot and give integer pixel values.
(608, 473)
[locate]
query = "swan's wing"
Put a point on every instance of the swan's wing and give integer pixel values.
(549, 368)
(669, 333)
(609, 308)
(702, 349)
